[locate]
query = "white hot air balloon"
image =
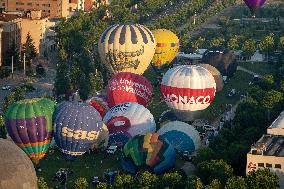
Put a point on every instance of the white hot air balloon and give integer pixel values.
(188, 89)
(127, 120)
(182, 136)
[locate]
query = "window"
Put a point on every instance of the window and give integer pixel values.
(268, 165)
(37, 4)
(260, 164)
(30, 4)
(277, 166)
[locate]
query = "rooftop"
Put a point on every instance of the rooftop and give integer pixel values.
(269, 145)
(278, 122)
(8, 17)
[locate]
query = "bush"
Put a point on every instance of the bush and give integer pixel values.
(81, 183)
(4, 72)
(41, 183)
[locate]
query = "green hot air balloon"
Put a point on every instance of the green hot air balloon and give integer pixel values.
(29, 123)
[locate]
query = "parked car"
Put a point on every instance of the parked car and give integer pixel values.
(112, 149)
(95, 180)
(6, 87)
(186, 156)
(232, 93)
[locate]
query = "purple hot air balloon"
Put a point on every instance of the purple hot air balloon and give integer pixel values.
(254, 5)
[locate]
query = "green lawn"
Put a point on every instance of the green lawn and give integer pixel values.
(259, 67)
(87, 166)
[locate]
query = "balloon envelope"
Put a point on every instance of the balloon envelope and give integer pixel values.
(148, 151)
(16, 169)
(127, 48)
(221, 58)
(29, 123)
(216, 74)
(188, 89)
(127, 120)
(129, 87)
(77, 128)
(166, 48)
(181, 136)
(167, 116)
(99, 103)
(254, 4)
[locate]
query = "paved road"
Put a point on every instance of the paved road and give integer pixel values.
(248, 71)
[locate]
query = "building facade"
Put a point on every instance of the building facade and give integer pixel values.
(10, 32)
(268, 151)
(49, 8)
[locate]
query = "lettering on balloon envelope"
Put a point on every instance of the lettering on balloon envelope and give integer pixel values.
(187, 96)
(123, 60)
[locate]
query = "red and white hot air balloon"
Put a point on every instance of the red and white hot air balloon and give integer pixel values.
(188, 90)
(129, 87)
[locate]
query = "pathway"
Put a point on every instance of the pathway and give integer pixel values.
(248, 71)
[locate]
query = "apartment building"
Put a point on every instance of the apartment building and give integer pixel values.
(10, 33)
(49, 8)
(268, 151)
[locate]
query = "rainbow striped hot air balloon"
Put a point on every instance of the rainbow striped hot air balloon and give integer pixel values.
(148, 151)
(29, 123)
(127, 48)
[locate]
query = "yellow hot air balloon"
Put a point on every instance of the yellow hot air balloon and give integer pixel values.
(127, 48)
(166, 48)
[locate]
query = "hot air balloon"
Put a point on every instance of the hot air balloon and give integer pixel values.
(167, 116)
(78, 127)
(128, 120)
(187, 90)
(216, 74)
(127, 48)
(150, 152)
(253, 5)
(181, 136)
(16, 169)
(129, 87)
(29, 123)
(221, 58)
(166, 48)
(99, 103)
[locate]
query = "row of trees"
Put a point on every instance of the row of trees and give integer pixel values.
(261, 179)
(267, 45)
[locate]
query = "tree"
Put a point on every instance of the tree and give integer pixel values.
(214, 169)
(41, 183)
(281, 44)
(267, 44)
(267, 82)
(3, 131)
(123, 181)
(215, 184)
(96, 82)
(4, 72)
(271, 99)
(81, 183)
(196, 44)
(17, 94)
(171, 180)
(217, 41)
(249, 48)
(204, 154)
(62, 79)
(262, 179)
(236, 182)
(234, 42)
(40, 71)
(194, 183)
(29, 48)
(101, 185)
(147, 180)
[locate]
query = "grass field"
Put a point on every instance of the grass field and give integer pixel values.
(261, 68)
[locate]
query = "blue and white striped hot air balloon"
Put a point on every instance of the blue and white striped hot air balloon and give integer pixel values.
(127, 48)
(78, 127)
(182, 136)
